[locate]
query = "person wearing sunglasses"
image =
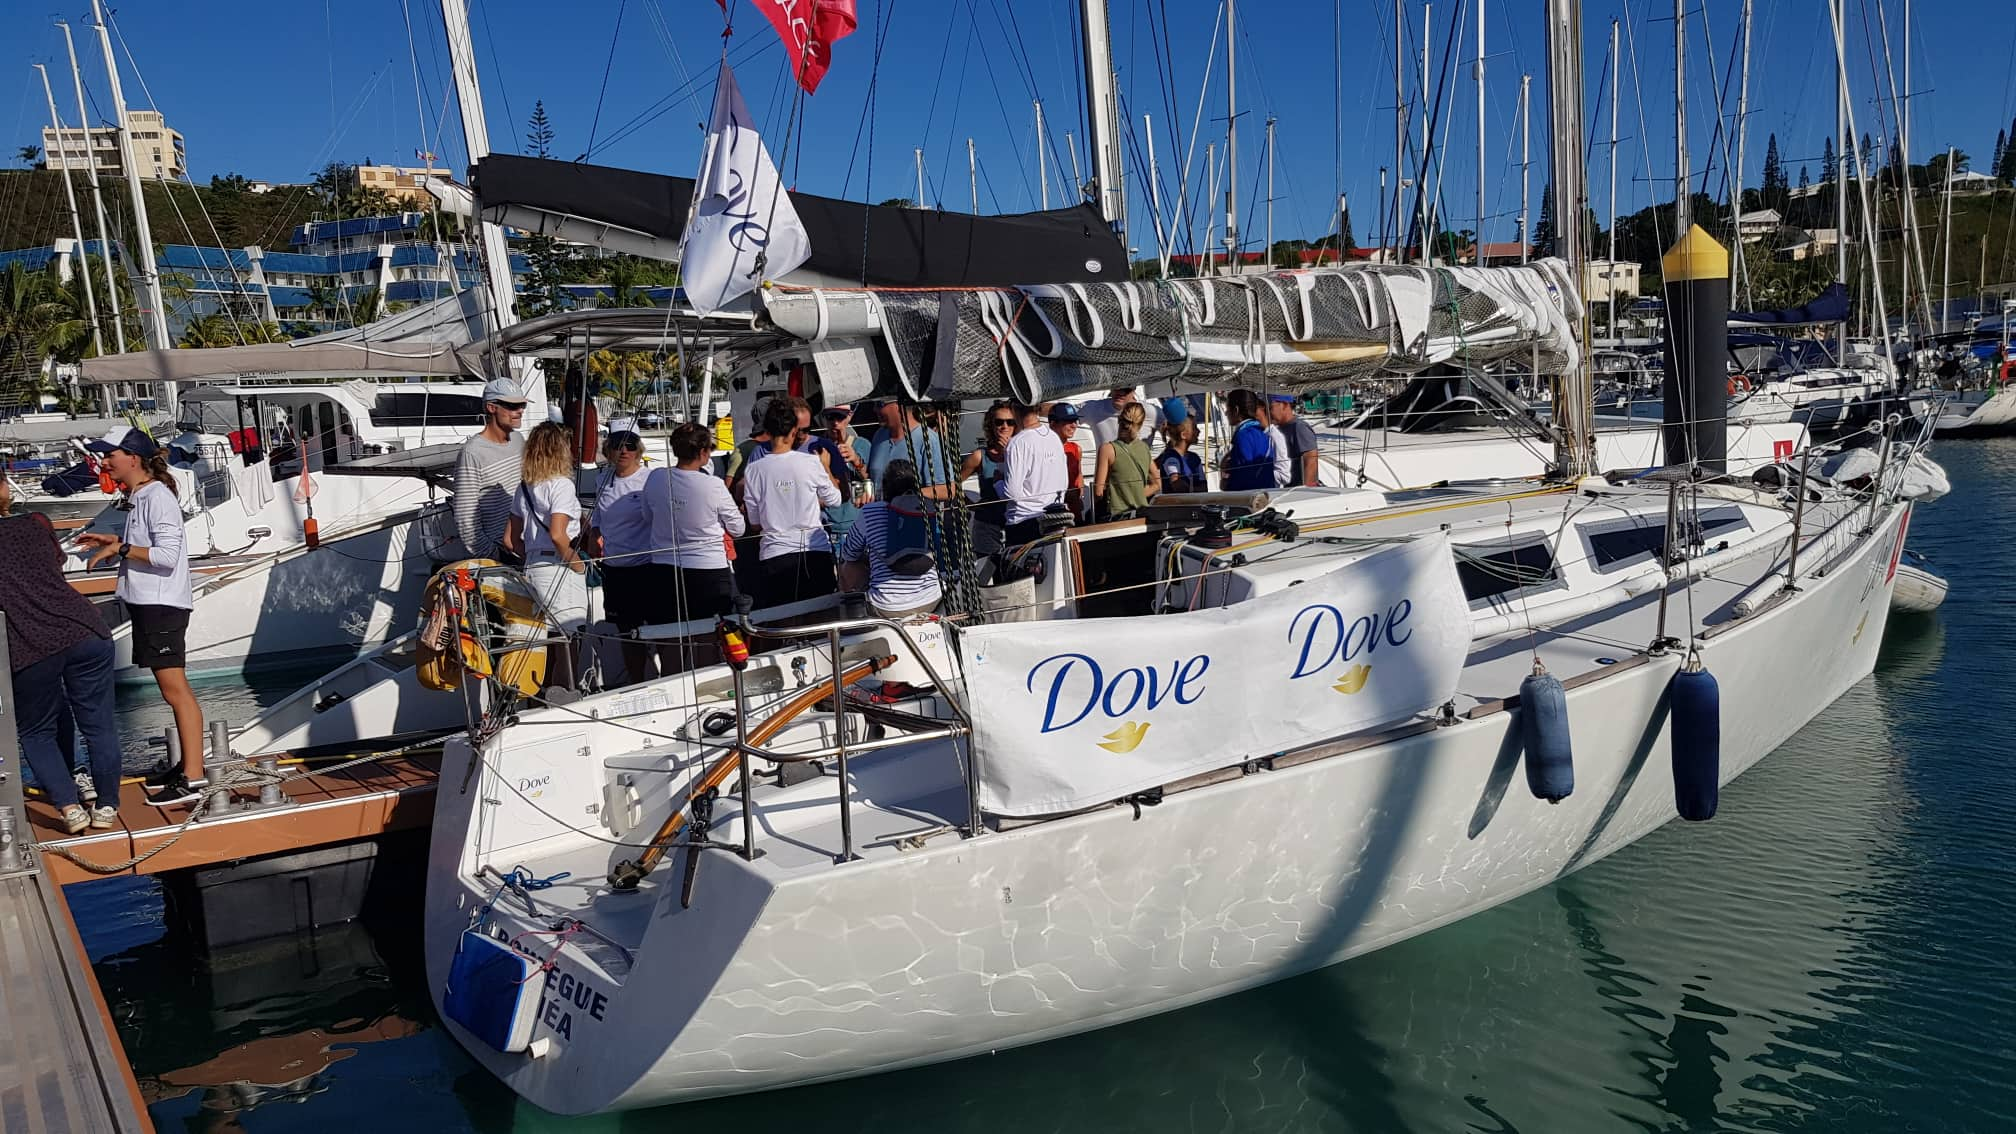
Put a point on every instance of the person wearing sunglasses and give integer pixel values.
(989, 462)
(487, 472)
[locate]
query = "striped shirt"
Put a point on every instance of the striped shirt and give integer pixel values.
(867, 542)
(486, 480)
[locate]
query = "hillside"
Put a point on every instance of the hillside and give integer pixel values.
(33, 212)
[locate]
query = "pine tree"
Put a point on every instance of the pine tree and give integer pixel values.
(2001, 147)
(1893, 166)
(1828, 160)
(539, 132)
(1805, 181)
(1774, 177)
(1346, 241)
(2006, 168)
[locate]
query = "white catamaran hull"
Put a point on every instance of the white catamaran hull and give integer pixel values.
(1979, 413)
(963, 947)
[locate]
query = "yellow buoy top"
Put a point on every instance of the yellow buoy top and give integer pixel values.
(1695, 256)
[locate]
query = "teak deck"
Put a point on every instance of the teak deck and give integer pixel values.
(357, 803)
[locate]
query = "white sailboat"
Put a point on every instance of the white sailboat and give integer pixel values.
(1226, 746)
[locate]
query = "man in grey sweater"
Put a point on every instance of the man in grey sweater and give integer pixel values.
(486, 473)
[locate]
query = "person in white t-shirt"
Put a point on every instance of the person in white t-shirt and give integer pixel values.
(782, 495)
(1036, 476)
(621, 535)
(1101, 417)
(693, 518)
(154, 584)
(545, 519)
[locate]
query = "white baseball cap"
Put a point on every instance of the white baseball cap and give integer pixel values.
(503, 390)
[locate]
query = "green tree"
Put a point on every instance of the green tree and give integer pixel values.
(538, 132)
(28, 155)
(1805, 179)
(547, 261)
(1776, 191)
(2001, 147)
(232, 183)
(40, 319)
(898, 203)
(1828, 161)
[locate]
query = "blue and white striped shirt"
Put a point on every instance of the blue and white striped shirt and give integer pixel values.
(867, 542)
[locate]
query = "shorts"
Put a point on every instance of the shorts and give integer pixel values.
(630, 594)
(160, 636)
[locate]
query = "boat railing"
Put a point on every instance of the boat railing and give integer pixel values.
(840, 748)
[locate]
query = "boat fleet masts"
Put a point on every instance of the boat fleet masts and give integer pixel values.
(1574, 406)
(1102, 112)
(154, 319)
(1232, 135)
(1683, 205)
(1478, 72)
(70, 198)
(1742, 278)
(97, 205)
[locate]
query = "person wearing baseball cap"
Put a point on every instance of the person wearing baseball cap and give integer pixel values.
(1298, 438)
(487, 470)
(152, 556)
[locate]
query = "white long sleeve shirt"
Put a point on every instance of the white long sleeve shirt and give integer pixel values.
(1036, 475)
(783, 494)
(689, 512)
(155, 523)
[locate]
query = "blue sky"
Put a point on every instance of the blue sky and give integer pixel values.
(273, 90)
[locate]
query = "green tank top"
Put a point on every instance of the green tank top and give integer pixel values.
(1127, 477)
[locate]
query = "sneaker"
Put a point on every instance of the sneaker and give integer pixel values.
(178, 789)
(85, 788)
(75, 820)
(161, 774)
(104, 818)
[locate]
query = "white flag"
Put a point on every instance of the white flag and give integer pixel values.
(743, 211)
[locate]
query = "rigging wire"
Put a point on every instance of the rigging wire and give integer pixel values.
(608, 65)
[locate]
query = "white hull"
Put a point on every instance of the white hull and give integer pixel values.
(1918, 591)
(346, 596)
(1993, 413)
(1382, 459)
(784, 974)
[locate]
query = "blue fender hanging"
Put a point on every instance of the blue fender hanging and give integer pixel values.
(1697, 740)
(1543, 718)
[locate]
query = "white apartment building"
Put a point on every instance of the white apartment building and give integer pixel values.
(157, 149)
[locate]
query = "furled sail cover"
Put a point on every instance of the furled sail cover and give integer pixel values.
(1830, 306)
(1071, 719)
(1291, 328)
(872, 244)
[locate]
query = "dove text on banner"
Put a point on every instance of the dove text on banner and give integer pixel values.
(1070, 714)
(742, 212)
(809, 28)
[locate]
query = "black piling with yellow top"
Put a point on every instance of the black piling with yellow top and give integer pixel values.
(1696, 353)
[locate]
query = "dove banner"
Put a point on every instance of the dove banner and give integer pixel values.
(1069, 714)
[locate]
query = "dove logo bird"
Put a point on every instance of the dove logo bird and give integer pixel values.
(1075, 686)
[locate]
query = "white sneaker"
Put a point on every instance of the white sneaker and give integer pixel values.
(104, 818)
(85, 787)
(75, 820)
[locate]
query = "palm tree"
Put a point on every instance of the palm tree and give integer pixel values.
(366, 307)
(624, 281)
(39, 320)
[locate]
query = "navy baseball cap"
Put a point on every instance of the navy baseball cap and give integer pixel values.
(1063, 413)
(1288, 398)
(134, 441)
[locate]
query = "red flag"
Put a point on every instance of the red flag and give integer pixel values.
(809, 28)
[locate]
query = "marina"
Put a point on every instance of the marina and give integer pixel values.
(518, 643)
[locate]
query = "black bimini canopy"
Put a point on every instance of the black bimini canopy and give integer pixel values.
(872, 245)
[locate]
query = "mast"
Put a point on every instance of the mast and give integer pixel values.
(1574, 418)
(476, 144)
(1232, 136)
(1077, 178)
(1477, 256)
(973, 176)
(1946, 276)
(1610, 292)
(1683, 204)
(1841, 158)
(1382, 214)
(70, 197)
(97, 201)
(1742, 281)
(1154, 195)
(1210, 191)
(1399, 140)
(1267, 253)
(154, 319)
(1042, 162)
(1525, 166)
(921, 203)
(1102, 112)
(1882, 320)
(1421, 177)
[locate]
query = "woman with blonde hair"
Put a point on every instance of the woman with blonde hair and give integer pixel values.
(1126, 476)
(545, 519)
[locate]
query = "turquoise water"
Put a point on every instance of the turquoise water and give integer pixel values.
(1827, 954)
